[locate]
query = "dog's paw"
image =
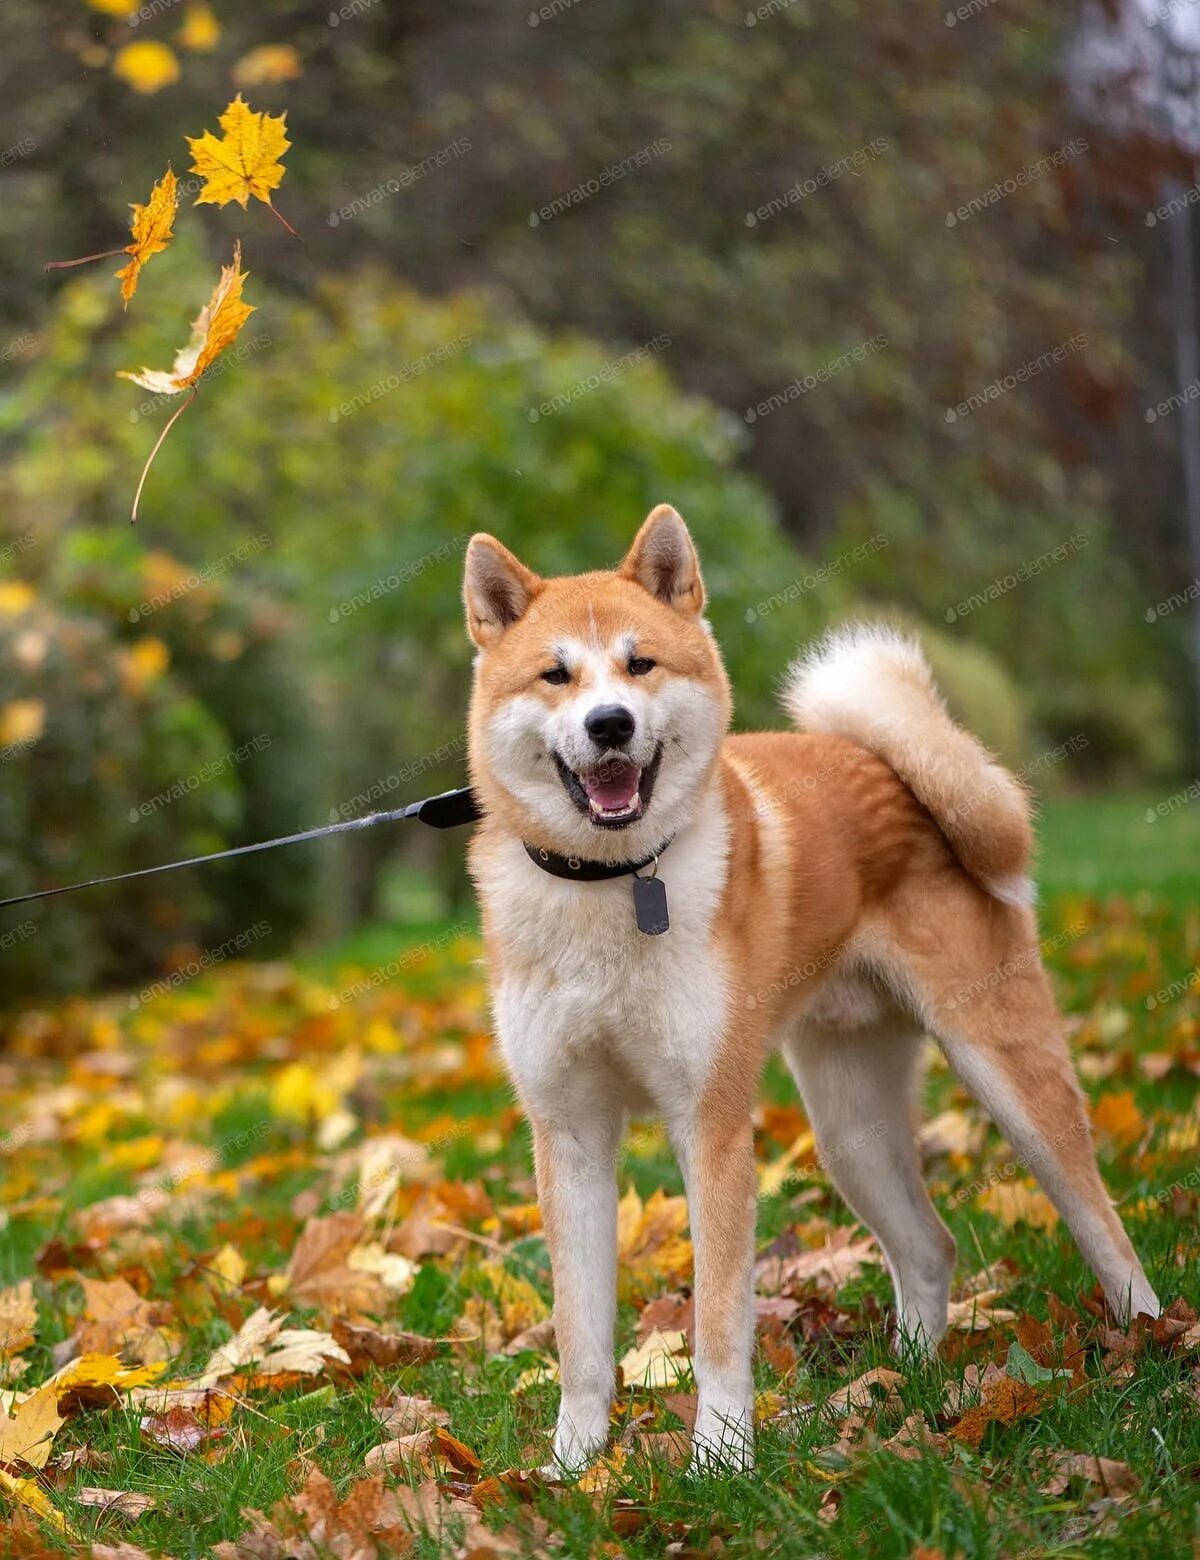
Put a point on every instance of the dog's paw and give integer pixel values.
(580, 1438)
(723, 1440)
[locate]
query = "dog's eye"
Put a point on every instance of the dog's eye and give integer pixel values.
(557, 675)
(639, 665)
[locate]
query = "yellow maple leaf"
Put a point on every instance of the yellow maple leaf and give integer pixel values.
(245, 162)
(147, 66)
(215, 328)
(26, 1434)
(151, 231)
(268, 64)
(28, 1493)
(18, 1317)
(201, 32)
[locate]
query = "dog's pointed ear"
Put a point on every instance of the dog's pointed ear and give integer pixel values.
(497, 588)
(663, 561)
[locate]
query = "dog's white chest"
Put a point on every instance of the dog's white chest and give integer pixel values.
(576, 984)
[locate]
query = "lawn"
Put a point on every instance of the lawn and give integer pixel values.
(330, 1143)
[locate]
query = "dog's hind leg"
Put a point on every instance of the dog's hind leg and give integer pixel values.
(989, 1002)
(858, 1086)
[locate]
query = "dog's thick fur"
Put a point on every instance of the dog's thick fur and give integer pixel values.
(840, 892)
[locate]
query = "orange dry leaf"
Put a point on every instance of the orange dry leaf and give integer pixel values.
(1116, 1116)
(151, 230)
(216, 327)
(1003, 1403)
(1018, 1202)
(245, 162)
(268, 64)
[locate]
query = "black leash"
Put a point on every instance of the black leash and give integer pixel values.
(445, 811)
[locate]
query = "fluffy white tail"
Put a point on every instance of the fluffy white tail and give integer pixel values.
(873, 685)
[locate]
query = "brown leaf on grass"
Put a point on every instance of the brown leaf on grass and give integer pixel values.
(1113, 1480)
(121, 1503)
(181, 1430)
(540, 1337)
(876, 1388)
(828, 1268)
(402, 1415)
(272, 1349)
(965, 1393)
(669, 1313)
(367, 1346)
(1003, 1402)
(915, 1440)
(426, 1450)
(659, 1361)
(314, 1525)
(117, 1320)
(978, 1313)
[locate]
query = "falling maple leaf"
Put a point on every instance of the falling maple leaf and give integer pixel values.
(215, 328)
(245, 162)
(151, 228)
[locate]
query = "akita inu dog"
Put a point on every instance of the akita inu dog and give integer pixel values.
(841, 891)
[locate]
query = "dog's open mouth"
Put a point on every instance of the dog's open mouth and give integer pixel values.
(615, 792)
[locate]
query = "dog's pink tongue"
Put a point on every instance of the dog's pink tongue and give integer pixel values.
(613, 787)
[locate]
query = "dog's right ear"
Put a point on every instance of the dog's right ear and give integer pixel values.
(497, 588)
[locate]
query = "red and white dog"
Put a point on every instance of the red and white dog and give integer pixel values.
(841, 891)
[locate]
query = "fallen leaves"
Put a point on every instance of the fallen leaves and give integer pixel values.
(272, 1349)
(27, 1432)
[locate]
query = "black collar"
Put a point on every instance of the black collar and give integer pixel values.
(575, 869)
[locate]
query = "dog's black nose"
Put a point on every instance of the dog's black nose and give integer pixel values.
(611, 725)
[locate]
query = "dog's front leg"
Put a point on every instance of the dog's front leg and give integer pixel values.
(716, 1149)
(577, 1188)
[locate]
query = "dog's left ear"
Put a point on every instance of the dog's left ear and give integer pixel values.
(663, 561)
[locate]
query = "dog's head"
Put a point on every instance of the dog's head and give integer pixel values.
(599, 699)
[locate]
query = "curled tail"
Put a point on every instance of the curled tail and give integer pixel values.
(873, 685)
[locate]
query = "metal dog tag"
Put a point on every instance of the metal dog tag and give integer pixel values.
(650, 905)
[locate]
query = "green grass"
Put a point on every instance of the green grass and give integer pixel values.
(1142, 937)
